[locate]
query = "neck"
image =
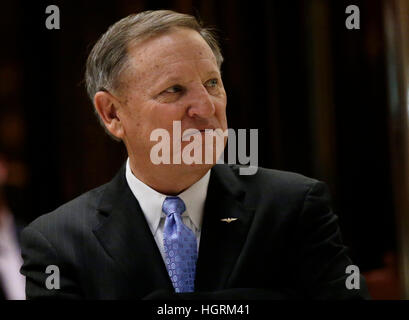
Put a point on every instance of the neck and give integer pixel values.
(169, 179)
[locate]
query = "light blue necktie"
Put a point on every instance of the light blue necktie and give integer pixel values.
(180, 246)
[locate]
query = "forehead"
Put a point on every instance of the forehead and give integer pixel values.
(175, 47)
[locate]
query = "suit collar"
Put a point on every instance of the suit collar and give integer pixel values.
(226, 179)
(222, 177)
(151, 201)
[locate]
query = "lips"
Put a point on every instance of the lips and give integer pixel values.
(193, 131)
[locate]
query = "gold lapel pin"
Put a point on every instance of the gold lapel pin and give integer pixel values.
(228, 220)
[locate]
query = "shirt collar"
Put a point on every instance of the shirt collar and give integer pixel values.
(151, 201)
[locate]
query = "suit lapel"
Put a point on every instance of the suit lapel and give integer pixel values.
(221, 243)
(126, 237)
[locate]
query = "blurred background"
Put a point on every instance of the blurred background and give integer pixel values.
(329, 102)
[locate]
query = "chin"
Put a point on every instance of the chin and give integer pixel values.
(199, 166)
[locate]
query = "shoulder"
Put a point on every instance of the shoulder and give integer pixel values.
(80, 212)
(265, 179)
(268, 187)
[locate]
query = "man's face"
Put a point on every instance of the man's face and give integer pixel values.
(172, 77)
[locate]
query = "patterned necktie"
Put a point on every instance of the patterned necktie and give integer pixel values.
(180, 246)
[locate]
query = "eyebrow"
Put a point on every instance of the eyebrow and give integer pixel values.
(177, 79)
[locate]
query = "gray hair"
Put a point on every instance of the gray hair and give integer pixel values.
(108, 57)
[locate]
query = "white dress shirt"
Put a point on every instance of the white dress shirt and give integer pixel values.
(13, 283)
(151, 203)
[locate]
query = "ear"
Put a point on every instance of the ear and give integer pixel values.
(107, 107)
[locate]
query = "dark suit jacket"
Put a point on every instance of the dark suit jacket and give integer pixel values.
(285, 243)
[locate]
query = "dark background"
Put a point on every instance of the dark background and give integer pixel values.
(317, 92)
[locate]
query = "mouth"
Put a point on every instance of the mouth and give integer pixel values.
(193, 131)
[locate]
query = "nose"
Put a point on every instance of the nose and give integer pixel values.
(201, 104)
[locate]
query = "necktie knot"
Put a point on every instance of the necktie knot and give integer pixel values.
(173, 205)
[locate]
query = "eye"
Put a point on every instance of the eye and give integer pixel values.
(173, 89)
(170, 94)
(212, 83)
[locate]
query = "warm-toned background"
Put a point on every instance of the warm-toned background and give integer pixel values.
(327, 102)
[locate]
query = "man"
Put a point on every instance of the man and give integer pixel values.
(178, 230)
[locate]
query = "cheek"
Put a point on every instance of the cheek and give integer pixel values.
(221, 111)
(132, 127)
(163, 115)
(132, 121)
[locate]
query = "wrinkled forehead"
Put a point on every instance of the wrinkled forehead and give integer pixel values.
(177, 46)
